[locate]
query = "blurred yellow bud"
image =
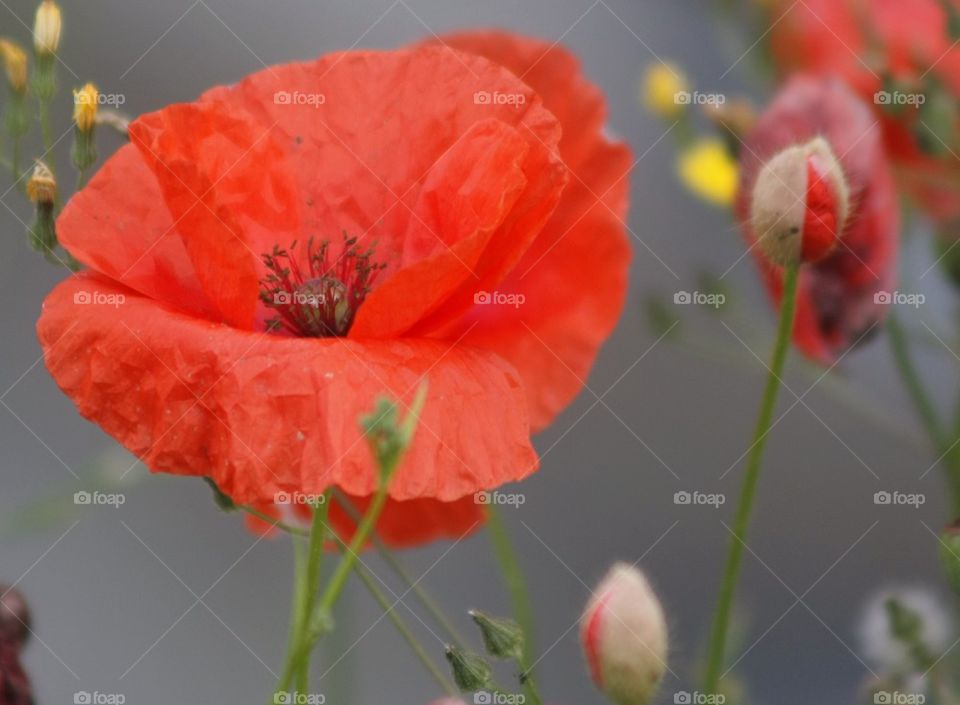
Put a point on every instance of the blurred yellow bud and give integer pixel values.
(709, 171)
(661, 85)
(85, 103)
(46, 28)
(42, 186)
(15, 64)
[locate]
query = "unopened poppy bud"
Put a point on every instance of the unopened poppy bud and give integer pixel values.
(85, 107)
(624, 637)
(470, 671)
(950, 554)
(46, 28)
(664, 88)
(502, 638)
(14, 616)
(15, 64)
(800, 204)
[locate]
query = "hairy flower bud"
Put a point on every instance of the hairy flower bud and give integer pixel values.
(85, 107)
(42, 191)
(15, 64)
(42, 186)
(46, 28)
(502, 638)
(624, 637)
(470, 671)
(800, 203)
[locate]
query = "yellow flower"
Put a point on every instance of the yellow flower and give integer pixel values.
(661, 85)
(46, 28)
(42, 186)
(708, 170)
(85, 107)
(15, 63)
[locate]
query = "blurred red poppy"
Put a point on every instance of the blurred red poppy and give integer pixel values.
(842, 296)
(904, 60)
(267, 261)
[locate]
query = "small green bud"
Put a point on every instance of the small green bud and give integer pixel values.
(387, 436)
(471, 671)
(502, 638)
(950, 554)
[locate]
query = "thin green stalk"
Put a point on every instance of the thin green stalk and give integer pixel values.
(297, 615)
(46, 132)
(930, 419)
(519, 596)
(318, 535)
(741, 522)
(320, 620)
(274, 523)
(403, 629)
(82, 175)
(398, 568)
(388, 441)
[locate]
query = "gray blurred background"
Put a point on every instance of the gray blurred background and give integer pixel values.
(166, 600)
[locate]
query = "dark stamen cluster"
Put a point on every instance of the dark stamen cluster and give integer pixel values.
(322, 299)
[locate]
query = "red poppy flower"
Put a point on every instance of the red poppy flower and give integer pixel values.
(267, 261)
(901, 58)
(837, 298)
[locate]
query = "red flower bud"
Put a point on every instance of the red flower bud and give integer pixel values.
(624, 636)
(800, 203)
(825, 144)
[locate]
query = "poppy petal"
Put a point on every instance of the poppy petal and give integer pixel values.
(197, 153)
(552, 338)
(119, 225)
(260, 414)
(401, 524)
(329, 115)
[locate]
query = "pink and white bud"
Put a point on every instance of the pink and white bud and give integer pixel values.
(624, 637)
(800, 203)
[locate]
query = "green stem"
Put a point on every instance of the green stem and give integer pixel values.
(404, 630)
(319, 621)
(318, 534)
(306, 587)
(357, 543)
(939, 437)
(274, 523)
(718, 639)
(519, 596)
(297, 615)
(46, 132)
(401, 572)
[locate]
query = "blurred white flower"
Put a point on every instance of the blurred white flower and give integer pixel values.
(879, 645)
